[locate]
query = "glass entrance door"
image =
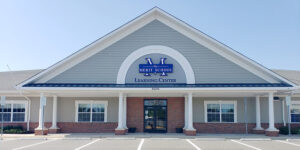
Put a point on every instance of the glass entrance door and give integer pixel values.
(155, 116)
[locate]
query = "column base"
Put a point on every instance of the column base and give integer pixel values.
(272, 133)
(120, 131)
(54, 130)
(190, 132)
(41, 132)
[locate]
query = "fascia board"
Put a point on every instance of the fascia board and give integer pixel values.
(156, 89)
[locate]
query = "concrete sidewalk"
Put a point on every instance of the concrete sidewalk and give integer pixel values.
(150, 135)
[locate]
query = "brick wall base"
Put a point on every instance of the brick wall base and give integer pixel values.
(54, 130)
(272, 133)
(258, 131)
(109, 127)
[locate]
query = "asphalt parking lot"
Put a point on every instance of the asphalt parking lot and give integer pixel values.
(148, 144)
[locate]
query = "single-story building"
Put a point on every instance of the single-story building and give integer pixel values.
(155, 74)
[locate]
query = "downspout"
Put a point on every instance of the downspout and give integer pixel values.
(28, 117)
(246, 115)
(283, 113)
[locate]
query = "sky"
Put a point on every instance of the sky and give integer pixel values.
(37, 34)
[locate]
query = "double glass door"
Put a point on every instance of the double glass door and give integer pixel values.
(155, 116)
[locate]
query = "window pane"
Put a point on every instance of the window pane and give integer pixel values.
(295, 109)
(19, 107)
(156, 102)
(19, 117)
(6, 108)
(213, 117)
(84, 117)
(6, 117)
(213, 107)
(98, 117)
(84, 108)
(227, 108)
(295, 117)
(98, 108)
(227, 117)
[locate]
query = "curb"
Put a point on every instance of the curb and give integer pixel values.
(210, 139)
(256, 139)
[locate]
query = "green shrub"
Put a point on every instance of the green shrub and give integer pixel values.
(14, 130)
(285, 130)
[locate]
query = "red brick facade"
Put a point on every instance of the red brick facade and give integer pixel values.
(74, 127)
(175, 113)
(135, 113)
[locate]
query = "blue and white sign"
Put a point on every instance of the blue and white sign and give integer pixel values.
(155, 69)
(161, 68)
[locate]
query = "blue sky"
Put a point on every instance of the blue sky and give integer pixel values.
(37, 34)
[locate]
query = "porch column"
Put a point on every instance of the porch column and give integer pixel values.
(120, 129)
(271, 131)
(54, 128)
(258, 123)
(190, 129)
(125, 112)
(41, 130)
(185, 112)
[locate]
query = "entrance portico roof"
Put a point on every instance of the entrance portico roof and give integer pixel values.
(217, 85)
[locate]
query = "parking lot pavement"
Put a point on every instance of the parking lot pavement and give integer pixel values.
(14, 144)
(219, 145)
(165, 144)
(65, 144)
(114, 144)
(148, 144)
(272, 145)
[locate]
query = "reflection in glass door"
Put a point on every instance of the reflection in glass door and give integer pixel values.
(155, 115)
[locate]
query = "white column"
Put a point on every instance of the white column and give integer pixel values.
(120, 116)
(125, 112)
(41, 115)
(185, 112)
(271, 113)
(258, 123)
(54, 113)
(190, 112)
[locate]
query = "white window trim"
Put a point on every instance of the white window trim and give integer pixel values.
(91, 102)
(293, 102)
(220, 102)
(11, 102)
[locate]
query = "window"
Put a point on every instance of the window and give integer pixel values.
(295, 112)
(14, 111)
(220, 111)
(91, 111)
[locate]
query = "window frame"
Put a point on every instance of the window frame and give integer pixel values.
(294, 102)
(220, 102)
(91, 102)
(12, 102)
